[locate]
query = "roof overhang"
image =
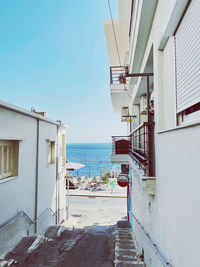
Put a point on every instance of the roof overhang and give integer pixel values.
(143, 15)
(119, 97)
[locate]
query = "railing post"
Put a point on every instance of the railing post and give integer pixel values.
(111, 80)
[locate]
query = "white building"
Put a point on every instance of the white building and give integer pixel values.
(162, 39)
(32, 174)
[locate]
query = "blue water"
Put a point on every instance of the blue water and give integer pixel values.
(95, 157)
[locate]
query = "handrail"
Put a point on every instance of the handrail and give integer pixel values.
(140, 126)
(26, 215)
(33, 222)
(15, 216)
(120, 136)
(49, 209)
(162, 259)
(140, 147)
(29, 220)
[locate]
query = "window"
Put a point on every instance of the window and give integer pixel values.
(187, 53)
(8, 158)
(50, 152)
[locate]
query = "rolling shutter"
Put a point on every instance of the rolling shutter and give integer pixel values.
(187, 44)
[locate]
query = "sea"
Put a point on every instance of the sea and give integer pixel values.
(95, 157)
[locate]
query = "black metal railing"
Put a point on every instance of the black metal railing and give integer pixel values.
(118, 75)
(139, 145)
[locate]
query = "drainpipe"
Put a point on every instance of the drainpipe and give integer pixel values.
(36, 176)
(57, 191)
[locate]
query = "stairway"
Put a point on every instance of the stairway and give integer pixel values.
(28, 244)
(125, 250)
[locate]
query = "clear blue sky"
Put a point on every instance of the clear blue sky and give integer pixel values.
(53, 57)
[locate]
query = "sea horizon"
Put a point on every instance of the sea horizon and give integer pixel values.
(95, 156)
(89, 143)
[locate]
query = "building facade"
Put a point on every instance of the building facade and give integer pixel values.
(32, 174)
(153, 50)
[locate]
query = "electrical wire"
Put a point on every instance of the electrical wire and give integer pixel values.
(117, 47)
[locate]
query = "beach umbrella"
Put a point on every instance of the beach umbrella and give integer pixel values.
(71, 166)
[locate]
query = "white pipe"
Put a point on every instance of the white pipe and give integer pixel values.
(67, 199)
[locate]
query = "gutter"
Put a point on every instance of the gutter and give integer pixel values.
(26, 112)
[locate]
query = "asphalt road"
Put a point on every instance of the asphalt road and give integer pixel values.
(89, 211)
(92, 202)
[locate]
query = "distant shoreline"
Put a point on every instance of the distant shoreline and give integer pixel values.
(89, 143)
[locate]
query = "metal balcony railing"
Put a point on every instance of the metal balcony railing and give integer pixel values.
(139, 145)
(118, 75)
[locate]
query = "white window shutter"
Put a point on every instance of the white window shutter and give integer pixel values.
(187, 44)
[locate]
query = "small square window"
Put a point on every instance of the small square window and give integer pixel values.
(8, 158)
(50, 152)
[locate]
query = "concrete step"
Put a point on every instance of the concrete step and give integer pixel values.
(17, 253)
(52, 231)
(22, 246)
(127, 252)
(125, 258)
(125, 247)
(124, 236)
(125, 231)
(130, 264)
(125, 241)
(123, 224)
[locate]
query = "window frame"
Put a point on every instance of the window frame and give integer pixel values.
(191, 112)
(50, 152)
(8, 158)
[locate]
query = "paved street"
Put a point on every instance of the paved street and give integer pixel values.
(88, 240)
(89, 247)
(87, 211)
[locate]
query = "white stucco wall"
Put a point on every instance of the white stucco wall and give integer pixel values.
(171, 216)
(18, 193)
(178, 198)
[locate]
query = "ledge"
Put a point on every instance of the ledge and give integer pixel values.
(188, 125)
(120, 158)
(6, 179)
(148, 184)
(11, 138)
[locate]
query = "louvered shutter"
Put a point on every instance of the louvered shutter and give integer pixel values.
(187, 44)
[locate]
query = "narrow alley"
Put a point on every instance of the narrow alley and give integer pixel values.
(92, 246)
(90, 238)
(87, 240)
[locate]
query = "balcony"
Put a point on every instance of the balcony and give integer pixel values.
(118, 75)
(138, 145)
(118, 88)
(120, 149)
